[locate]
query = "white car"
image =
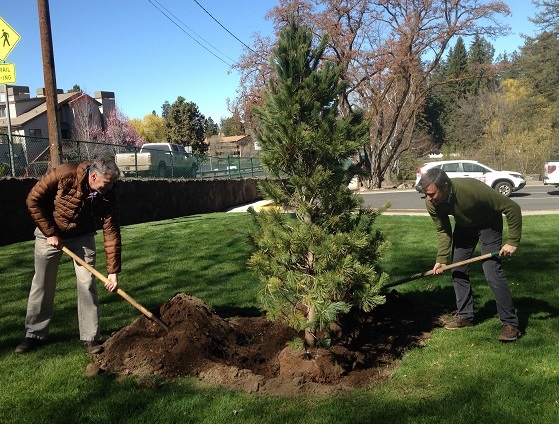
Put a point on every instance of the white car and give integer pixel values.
(505, 182)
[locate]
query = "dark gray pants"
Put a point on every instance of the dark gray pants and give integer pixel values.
(464, 241)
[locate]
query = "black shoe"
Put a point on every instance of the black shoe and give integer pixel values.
(28, 344)
(93, 347)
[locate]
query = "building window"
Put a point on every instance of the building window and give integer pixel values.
(2, 111)
(35, 133)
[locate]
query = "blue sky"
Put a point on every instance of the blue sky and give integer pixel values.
(131, 48)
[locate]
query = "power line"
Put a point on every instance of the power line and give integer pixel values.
(169, 15)
(233, 35)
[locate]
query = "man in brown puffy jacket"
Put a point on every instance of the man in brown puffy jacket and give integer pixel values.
(68, 205)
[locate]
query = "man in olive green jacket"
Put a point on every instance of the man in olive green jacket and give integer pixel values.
(478, 214)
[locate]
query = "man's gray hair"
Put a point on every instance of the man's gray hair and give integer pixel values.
(105, 167)
(434, 176)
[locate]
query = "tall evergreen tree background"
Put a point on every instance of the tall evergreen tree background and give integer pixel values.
(233, 125)
(184, 124)
(321, 261)
(502, 111)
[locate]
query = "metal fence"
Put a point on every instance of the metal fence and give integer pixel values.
(229, 167)
(30, 157)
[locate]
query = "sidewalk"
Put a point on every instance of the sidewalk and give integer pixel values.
(258, 206)
(264, 204)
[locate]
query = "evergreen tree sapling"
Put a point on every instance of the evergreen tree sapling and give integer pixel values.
(321, 261)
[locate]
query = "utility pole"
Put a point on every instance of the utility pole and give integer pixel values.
(55, 135)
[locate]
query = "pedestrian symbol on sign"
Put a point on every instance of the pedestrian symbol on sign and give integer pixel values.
(6, 37)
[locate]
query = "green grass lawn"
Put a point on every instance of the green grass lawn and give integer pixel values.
(458, 377)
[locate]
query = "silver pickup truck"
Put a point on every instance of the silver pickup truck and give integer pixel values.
(159, 160)
(551, 173)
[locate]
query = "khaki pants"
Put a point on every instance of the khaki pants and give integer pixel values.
(40, 305)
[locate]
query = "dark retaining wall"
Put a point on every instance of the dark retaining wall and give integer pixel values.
(140, 201)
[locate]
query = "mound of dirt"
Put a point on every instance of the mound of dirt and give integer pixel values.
(253, 354)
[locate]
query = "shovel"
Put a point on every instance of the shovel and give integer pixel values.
(118, 291)
(444, 268)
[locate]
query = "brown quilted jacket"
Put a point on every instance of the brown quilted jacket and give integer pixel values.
(60, 204)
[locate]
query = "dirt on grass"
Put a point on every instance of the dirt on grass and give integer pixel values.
(253, 354)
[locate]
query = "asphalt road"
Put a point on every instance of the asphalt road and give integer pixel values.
(534, 198)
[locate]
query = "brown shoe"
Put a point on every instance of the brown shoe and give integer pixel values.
(509, 334)
(459, 323)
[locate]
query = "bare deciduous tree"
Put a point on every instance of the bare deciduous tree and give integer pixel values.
(89, 125)
(86, 124)
(388, 49)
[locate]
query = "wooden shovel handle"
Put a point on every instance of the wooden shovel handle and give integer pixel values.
(444, 268)
(119, 291)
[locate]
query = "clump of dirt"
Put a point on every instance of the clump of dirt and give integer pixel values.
(253, 353)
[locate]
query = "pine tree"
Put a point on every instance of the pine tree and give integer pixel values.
(480, 60)
(233, 125)
(457, 66)
(323, 261)
(462, 77)
(452, 87)
(184, 124)
(538, 64)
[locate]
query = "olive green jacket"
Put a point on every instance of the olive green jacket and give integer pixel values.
(473, 204)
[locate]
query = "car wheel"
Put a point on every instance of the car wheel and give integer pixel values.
(504, 188)
(193, 171)
(162, 170)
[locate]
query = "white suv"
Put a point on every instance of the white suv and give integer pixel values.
(505, 182)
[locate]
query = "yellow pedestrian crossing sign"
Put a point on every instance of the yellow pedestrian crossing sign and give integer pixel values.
(8, 39)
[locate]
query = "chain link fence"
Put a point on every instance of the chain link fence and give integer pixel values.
(30, 157)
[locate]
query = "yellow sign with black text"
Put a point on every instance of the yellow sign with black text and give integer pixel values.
(8, 39)
(7, 73)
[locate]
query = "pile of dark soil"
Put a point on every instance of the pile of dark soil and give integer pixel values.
(253, 354)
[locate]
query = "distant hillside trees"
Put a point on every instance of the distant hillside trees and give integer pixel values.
(458, 80)
(504, 113)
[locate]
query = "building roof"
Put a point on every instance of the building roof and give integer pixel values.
(34, 113)
(233, 138)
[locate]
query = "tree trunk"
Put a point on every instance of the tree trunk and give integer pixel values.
(310, 332)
